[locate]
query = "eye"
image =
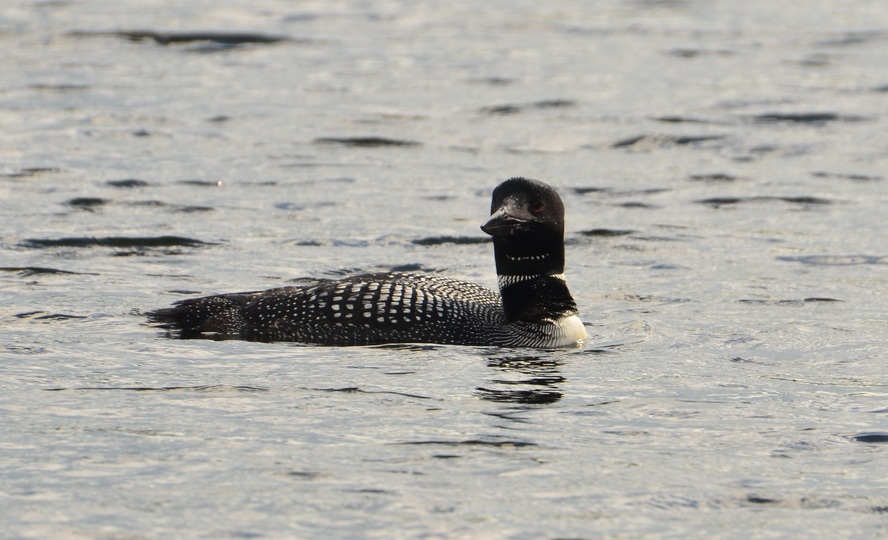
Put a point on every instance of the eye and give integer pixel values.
(536, 208)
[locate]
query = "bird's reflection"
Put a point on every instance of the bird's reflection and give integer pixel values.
(528, 380)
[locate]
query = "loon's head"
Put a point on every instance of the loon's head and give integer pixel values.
(527, 226)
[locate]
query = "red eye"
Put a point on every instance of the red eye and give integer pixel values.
(536, 208)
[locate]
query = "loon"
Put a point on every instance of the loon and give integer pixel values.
(534, 307)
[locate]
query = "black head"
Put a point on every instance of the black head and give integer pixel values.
(527, 226)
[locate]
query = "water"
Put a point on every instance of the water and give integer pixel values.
(723, 166)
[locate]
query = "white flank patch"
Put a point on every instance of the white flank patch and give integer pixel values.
(570, 332)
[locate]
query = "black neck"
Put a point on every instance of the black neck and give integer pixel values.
(536, 299)
(529, 254)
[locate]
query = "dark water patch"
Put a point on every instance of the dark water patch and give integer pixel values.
(59, 87)
(292, 207)
(338, 180)
(306, 475)
(755, 499)
(523, 107)
(599, 404)
(811, 503)
(356, 390)
(537, 386)
(539, 380)
(186, 292)
(638, 205)
(87, 203)
(873, 437)
(649, 298)
(408, 267)
(493, 81)
(314, 164)
(151, 203)
(372, 491)
(714, 177)
(366, 142)
(607, 233)
(29, 172)
(219, 119)
(23, 350)
(843, 176)
(33, 270)
(668, 227)
(461, 240)
(812, 118)
(531, 396)
(521, 363)
(117, 241)
(665, 266)
(220, 39)
(694, 53)
(188, 209)
(762, 150)
(762, 302)
(27, 314)
(627, 432)
(670, 501)
(200, 183)
(473, 442)
(645, 191)
(128, 183)
(787, 302)
(587, 190)
(814, 61)
(197, 388)
(836, 260)
(741, 360)
(654, 238)
(855, 38)
(43, 316)
(686, 120)
(647, 142)
(718, 202)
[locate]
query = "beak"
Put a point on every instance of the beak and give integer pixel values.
(503, 222)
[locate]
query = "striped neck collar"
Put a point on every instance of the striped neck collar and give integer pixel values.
(504, 280)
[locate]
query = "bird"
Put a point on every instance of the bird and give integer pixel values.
(533, 308)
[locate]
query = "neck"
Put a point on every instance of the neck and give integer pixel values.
(531, 276)
(536, 299)
(538, 255)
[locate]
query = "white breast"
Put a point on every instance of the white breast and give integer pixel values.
(568, 332)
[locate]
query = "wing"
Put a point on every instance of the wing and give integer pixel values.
(377, 308)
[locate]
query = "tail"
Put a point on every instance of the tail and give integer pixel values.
(210, 317)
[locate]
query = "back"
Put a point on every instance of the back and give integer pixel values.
(376, 308)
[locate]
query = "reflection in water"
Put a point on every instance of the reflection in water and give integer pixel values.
(530, 380)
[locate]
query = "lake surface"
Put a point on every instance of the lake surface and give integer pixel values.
(724, 166)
